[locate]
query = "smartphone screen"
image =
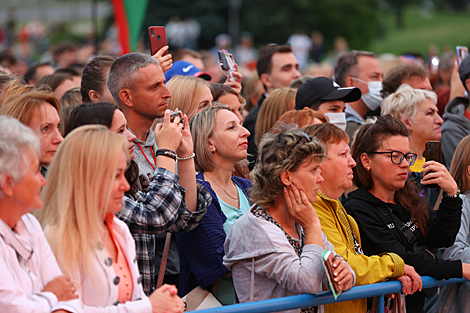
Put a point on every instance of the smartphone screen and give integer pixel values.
(462, 52)
(157, 39)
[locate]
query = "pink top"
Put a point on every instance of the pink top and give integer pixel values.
(121, 267)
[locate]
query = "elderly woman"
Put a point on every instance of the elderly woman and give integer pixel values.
(391, 216)
(31, 279)
(417, 109)
(40, 112)
(92, 246)
(219, 142)
(275, 249)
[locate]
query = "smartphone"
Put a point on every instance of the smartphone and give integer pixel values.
(227, 63)
(433, 152)
(174, 115)
(462, 52)
(328, 262)
(157, 39)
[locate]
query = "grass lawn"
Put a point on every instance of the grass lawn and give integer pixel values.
(442, 29)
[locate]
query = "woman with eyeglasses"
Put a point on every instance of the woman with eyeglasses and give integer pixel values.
(275, 249)
(391, 216)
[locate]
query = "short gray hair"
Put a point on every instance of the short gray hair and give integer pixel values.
(15, 140)
(405, 101)
(123, 72)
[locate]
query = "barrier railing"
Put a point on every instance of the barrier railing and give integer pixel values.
(325, 297)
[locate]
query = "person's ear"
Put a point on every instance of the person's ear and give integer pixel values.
(7, 185)
(266, 80)
(285, 178)
(127, 97)
(365, 160)
(467, 84)
(407, 121)
(468, 170)
(350, 82)
(211, 145)
(94, 96)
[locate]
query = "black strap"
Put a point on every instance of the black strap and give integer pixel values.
(404, 229)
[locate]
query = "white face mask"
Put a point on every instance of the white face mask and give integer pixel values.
(372, 99)
(339, 119)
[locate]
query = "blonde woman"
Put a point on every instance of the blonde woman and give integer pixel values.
(189, 94)
(278, 102)
(39, 110)
(86, 187)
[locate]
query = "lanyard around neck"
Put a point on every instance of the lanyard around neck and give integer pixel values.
(145, 156)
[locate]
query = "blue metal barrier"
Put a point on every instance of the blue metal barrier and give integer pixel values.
(325, 297)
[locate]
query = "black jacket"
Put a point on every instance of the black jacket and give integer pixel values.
(379, 234)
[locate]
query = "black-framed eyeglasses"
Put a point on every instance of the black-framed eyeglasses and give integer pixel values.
(304, 137)
(398, 156)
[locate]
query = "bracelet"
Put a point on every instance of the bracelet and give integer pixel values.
(186, 158)
(444, 194)
(167, 153)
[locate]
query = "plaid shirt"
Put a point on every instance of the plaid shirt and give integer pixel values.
(160, 209)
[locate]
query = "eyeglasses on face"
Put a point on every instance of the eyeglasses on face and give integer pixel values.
(398, 156)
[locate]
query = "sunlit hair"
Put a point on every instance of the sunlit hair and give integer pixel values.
(369, 139)
(15, 140)
(186, 93)
(71, 97)
(202, 128)
(327, 133)
(460, 164)
(278, 102)
(405, 101)
(77, 193)
(23, 106)
(278, 153)
(15, 86)
(300, 118)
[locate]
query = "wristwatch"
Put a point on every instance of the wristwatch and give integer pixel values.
(444, 194)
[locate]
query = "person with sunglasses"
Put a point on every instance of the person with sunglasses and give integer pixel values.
(391, 216)
(275, 249)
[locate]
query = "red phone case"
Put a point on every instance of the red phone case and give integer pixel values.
(157, 38)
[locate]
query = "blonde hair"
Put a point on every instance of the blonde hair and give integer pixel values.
(77, 193)
(23, 106)
(278, 102)
(186, 91)
(16, 86)
(405, 101)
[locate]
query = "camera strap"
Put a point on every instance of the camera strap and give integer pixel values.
(404, 229)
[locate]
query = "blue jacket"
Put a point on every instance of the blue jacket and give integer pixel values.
(201, 250)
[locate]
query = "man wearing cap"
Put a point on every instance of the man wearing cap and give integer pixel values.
(456, 117)
(362, 70)
(326, 96)
(184, 68)
(277, 67)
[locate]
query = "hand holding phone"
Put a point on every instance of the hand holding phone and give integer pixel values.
(462, 52)
(328, 263)
(227, 63)
(433, 152)
(174, 115)
(157, 39)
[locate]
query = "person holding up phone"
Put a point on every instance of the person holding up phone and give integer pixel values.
(391, 216)
(417, 109)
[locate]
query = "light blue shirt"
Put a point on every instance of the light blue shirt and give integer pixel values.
(233, 213)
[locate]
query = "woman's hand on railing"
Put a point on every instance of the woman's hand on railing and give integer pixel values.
(342, 274)
(411, 281)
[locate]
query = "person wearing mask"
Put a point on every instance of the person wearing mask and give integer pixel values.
(326, 96)
(360, 69)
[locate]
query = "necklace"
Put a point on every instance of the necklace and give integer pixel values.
(234, 198)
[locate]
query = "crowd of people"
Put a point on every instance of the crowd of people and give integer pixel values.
(147, 183)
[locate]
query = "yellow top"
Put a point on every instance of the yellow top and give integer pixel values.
(339, 228)
(418, 166)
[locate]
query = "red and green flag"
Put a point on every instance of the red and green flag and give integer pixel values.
(129, 16)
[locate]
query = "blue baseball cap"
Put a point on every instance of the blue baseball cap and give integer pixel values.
(184, 68)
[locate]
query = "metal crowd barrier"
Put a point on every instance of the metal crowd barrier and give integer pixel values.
(325, 297)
